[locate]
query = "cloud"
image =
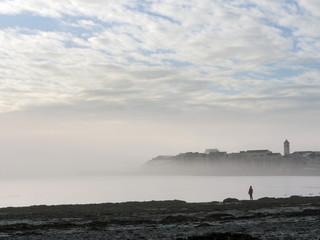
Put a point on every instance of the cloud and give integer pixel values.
(311, 6)
(122, 81)
(166, 54)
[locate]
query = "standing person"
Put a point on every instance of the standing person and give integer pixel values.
(250, 192)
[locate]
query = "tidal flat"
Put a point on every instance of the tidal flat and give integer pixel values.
(266, 218)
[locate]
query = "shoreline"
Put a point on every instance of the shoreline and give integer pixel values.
(294, 217)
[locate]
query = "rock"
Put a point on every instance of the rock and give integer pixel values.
(221, 236)
(178, 219)
(219, 216)
(266, 199)
(295, 197)
(231, 200)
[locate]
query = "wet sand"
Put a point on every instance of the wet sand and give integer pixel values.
(266, 218)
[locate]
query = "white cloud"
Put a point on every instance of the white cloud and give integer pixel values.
(312, 6)
(195, 50)
(169, 75)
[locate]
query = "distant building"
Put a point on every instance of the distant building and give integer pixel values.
(257, 153)
(302, 154)
(250, 162)
(211, 150)
(286, 148)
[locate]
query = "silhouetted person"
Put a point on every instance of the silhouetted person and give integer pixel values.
(250, 192)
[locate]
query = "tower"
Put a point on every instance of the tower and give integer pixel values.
(286, 147)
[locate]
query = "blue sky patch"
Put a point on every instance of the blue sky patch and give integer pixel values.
(28, 21)
(177, 63)
(280, 73)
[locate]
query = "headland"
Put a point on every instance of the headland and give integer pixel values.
(250, 162)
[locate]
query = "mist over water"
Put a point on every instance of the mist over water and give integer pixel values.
(99, 189)
(220, 168)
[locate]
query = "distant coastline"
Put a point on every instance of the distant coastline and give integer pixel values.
(249, 163)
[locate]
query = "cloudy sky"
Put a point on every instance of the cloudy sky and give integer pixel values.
(87, 85)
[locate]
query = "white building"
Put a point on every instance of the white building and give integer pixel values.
(286, 148)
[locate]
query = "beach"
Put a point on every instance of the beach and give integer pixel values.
(266, 218)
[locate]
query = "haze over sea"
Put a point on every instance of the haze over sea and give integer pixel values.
(99, 189)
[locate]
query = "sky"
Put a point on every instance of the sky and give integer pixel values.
(95, 86)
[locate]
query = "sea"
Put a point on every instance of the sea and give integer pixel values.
(102, 189)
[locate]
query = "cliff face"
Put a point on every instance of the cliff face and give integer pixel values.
(254, 162)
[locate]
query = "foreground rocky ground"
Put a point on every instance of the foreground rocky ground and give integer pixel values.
(267, 218)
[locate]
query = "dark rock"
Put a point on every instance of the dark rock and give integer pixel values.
(295, 197)
(231, 200)
(221, 236)
(219, 216)
(204, 225)
(311, 212)
(178, 219)
(266, 199)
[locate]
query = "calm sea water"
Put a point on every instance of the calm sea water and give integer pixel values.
(80, 190)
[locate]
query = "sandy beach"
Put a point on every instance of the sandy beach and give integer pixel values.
(267, 218)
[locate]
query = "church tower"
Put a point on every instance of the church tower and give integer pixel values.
(286, 147)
